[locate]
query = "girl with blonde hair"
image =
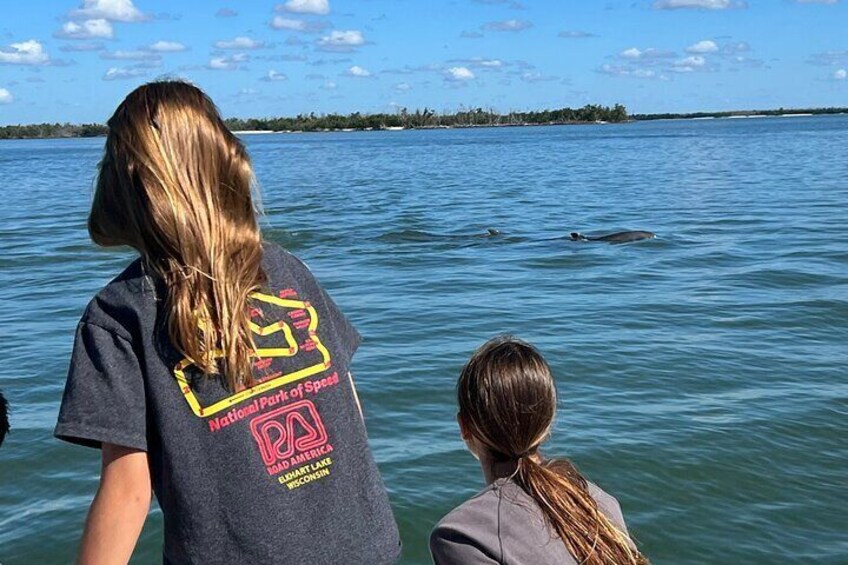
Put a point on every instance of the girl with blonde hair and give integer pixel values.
(214, 369)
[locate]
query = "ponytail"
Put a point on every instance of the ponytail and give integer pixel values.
(563, 495)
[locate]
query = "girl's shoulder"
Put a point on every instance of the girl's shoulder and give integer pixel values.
(119, 305)
(278, 261)
(464, 535)
(504, 504)
(499, 524)
(482, 509)
(608, 505)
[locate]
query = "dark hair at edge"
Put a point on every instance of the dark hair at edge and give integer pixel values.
(4, 418)
(507, 399)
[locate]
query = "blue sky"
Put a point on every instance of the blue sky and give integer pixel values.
(74, 60)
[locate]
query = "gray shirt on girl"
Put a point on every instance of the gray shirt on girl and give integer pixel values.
(502, 524)
(277, 473)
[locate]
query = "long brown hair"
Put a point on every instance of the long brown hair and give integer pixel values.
(176, 184)
(507, 399)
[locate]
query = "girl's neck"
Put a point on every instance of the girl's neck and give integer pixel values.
(498, 469)
(492, 471)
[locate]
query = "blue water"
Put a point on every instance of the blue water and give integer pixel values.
(702, 375)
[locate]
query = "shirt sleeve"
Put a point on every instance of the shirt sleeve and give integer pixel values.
(334, 328)
(104, 399)
(610, 507)
(346, 336)
(451, 547)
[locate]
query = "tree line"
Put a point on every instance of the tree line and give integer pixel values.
(403, 118)
(777, 112)
(34, 131)
(428, 118)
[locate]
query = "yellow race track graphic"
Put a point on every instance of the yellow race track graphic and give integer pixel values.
(290, 351)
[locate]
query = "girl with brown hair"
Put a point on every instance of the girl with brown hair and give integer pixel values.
(214, 369)
(534, 510)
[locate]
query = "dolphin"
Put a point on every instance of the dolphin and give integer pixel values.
(618, 237)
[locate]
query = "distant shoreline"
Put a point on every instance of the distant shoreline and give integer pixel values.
(401, 128)
(633, 119)
(588, 115)
(778, 113)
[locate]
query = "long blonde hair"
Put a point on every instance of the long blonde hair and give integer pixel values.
(507, 397)
(177, 185)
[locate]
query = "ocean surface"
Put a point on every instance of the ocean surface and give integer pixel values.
(703, 375)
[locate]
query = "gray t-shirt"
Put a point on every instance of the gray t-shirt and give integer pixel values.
(502, 524)
(278, 473)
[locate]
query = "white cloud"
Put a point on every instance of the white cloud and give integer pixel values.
(292, 24)
(651, 62)
(131, 55)
(616, 70)
(840, 74)
(696, 4)
(167, 47)
(474, 62)
(89, 29)
(25, 53)
(329, 85)
(705, 46)
(279, 22)
(634, 53)
(220, 64)
(240, 43)
(319, 7)
(460, 74)
(357, 71)
(403, 87)
(6, 96)
(274, 76)
(817, 1)
(625, 71)
(113, 10)
(695, 61)
(116, 73)
(227, 63)
(508, 25)
(536, 76)
(341, 41)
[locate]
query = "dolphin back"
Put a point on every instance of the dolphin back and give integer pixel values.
(624, 236)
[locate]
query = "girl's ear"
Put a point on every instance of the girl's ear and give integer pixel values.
(467, 437)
